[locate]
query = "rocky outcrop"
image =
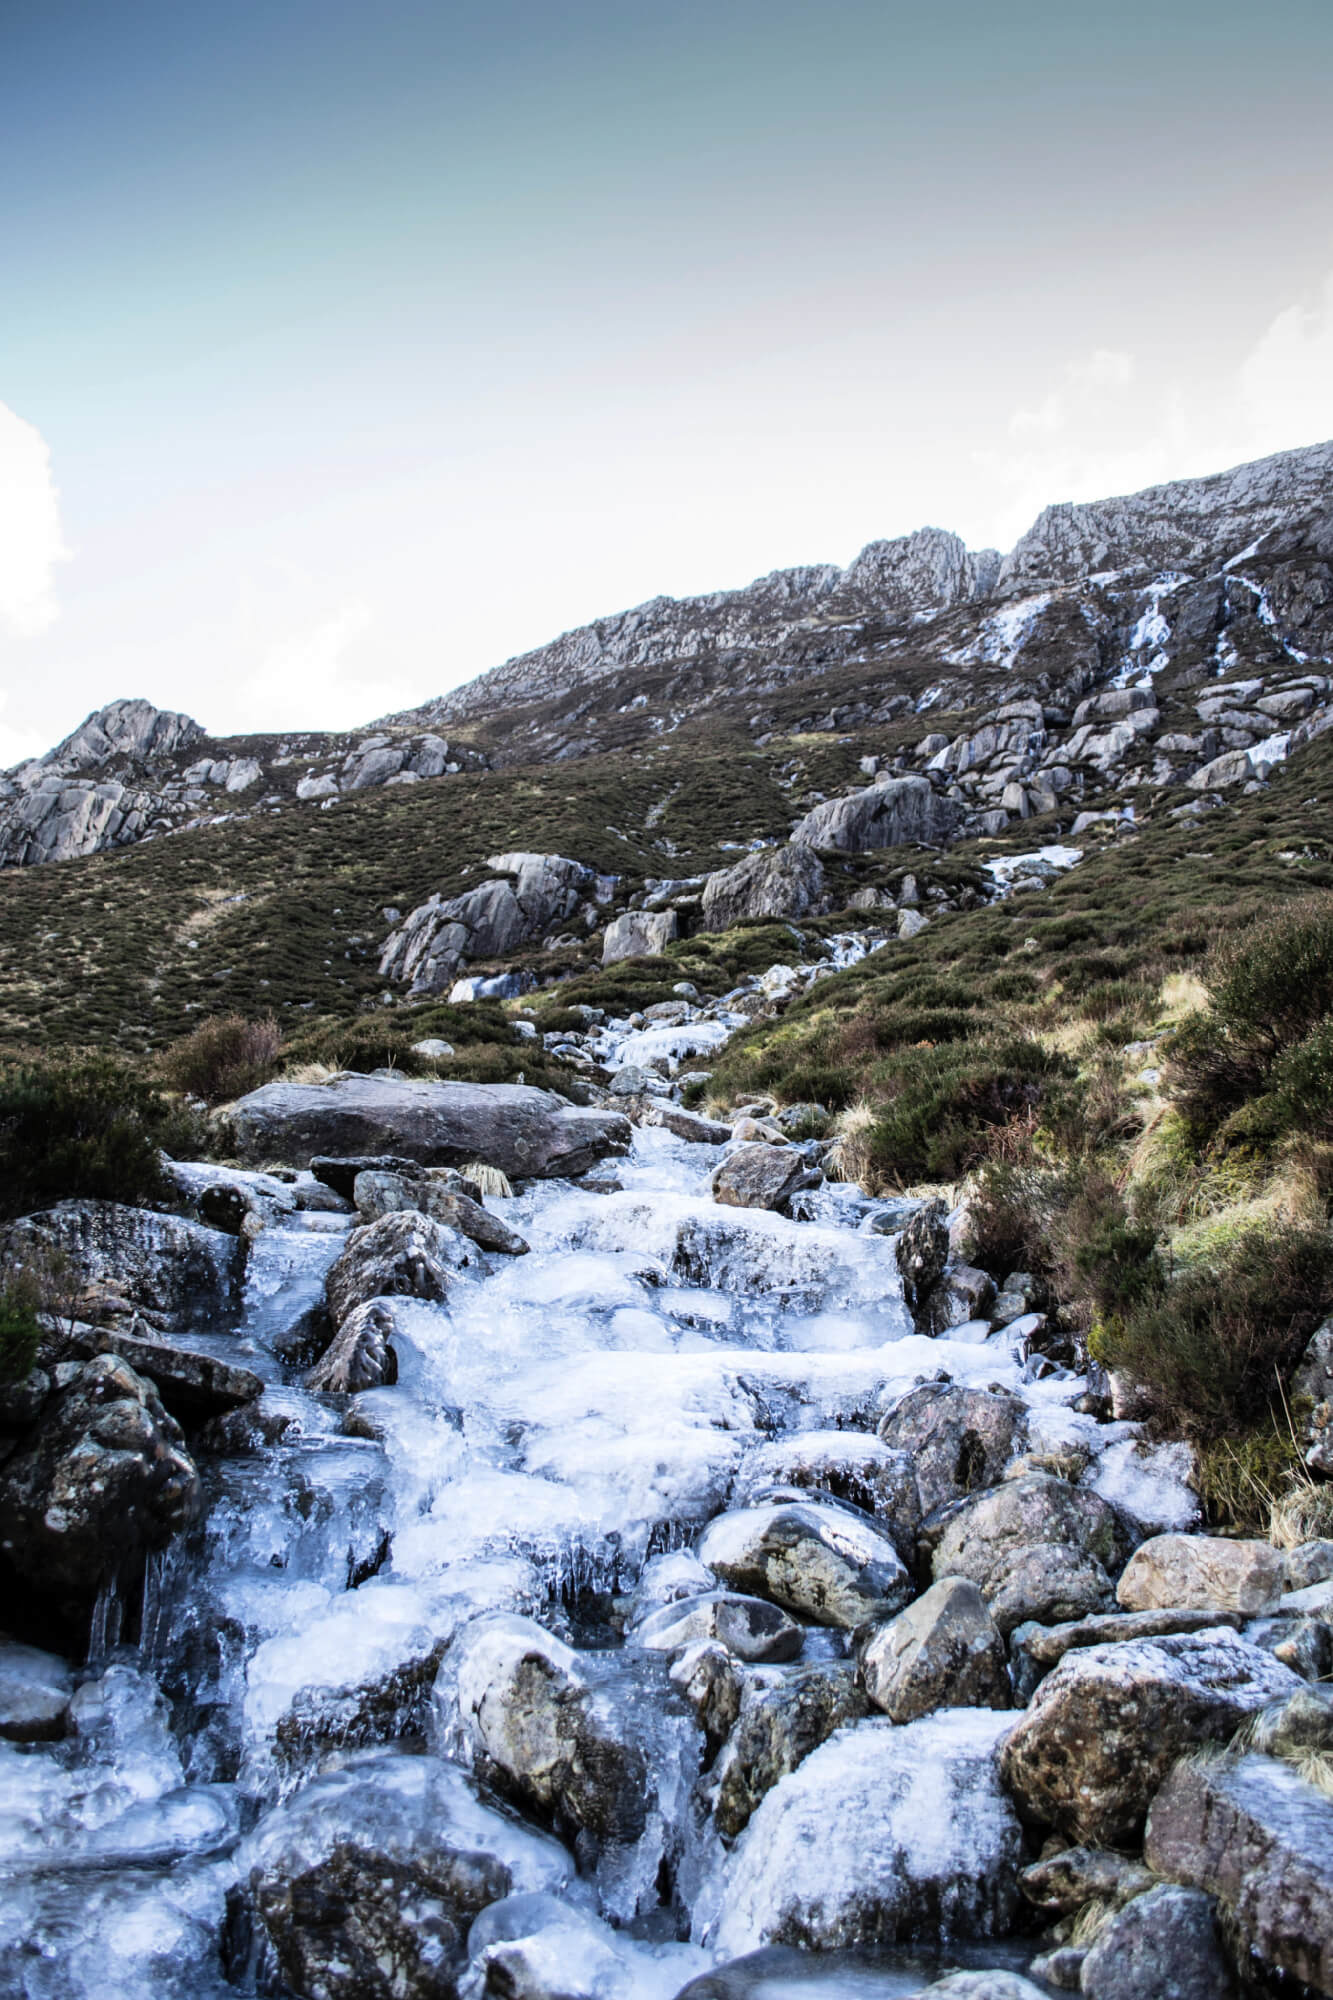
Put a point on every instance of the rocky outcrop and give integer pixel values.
(639, 934)
(534, 894)
(522, 1131)
(775, 882)
(886, 815)
(101, 1478)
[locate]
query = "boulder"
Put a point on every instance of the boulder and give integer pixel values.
(963, 1294)
(762, 1176)
(1251, 1831)
(1162, 1946)
(959, 1441)
(1199, 1572)
(35, 1693)
(368, 1880)
(1061, 1884)
(161, 1264)
(747, 1626)
(828, 1564)
(1034, 1648)
(541, 1733)
(777, 1728)
(775, 882)
(639, 934)
(1038, 1548)
(922, 1251)
(404, 1255)
(1104, 1728)
(885, 815)
(942, 1652)
(883, 1834)
(854, 1466)
(101, 1479)
(535, 894)
(377, 1193)
(341, 1173)
(710, 1679)
(683, 1124)
(522, 1131)
(361, 1354)
(194, 1386)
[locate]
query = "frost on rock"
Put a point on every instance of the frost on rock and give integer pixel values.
(883, 1834)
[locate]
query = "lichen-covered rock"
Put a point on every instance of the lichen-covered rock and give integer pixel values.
(361, 1354)
(512, 1126)
(1061, 1884)
(101, 1479)
(1163, 1945)
(368, 1880)
(824, 1563)
(166, 1266)
(1105, 1727)
(922, 1251)
(780, 1723)
(943, 1651)
(638, 934)
(963, 1294)
(959, 1441)
(1195, 1572)
(882, 1834)
(775, 882)
(761, 1176)
(885, 815)
(403, 1255)
(1038, 1547)
(1251, 1831)
(1035, 1648)
(377, 1193)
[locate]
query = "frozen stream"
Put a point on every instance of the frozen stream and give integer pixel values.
(567, 1418)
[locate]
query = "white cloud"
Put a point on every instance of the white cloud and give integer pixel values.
(1286, 381)
(315, 674)
(31, 541)
(17, 744)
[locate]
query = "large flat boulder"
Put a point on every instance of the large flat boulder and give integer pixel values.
(884, 815)
(523, 1131)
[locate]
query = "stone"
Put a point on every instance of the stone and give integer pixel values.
(639, 934)
(1164, 1945)
(403, 1255)
(991, 1984)
(361, 1354)
(1251, 1831)
(1038, 1548)
(762, 1176)
(1105, 1727)
(1061, 1884)
(194, 1386)
(775, 882)
(1232, 768)
(379, 1193)
(922, 1251)
(35, 1692)
(683, 1124)
(959, 1440)
(855, 1466)
(943, 1651)
(911, 923)
(340, 1174)
(1311, 1397)
(523, 1131)
(749, 1627)
(837, 1854)
(711, 1680)
(824, 1563)
(777, 1728)
(368, 1880)
(534, 894)
(962, 1295)
(888, 814)
(1034, 1649)
(162, 1264)
(102, 1479)
(1311, 1563)
(1195, 1572)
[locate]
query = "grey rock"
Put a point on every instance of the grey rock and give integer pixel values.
(1103, 1730)
(886, 815)
(535, 894)
(682, 1124)
(162, 1264)
(1312, 1399)
(35, 1691)
(1035, 1648)
(102, 1479)
(1061, 1884)
(361, 1354)
(1252, 1832)
(963, 1294)
(1163, 1946)
(521, 1130)
(922, 1251)
(1038, 1548)
(1193, 1572)
(749, 1627)
(377, 1193)
(711, 1680)
(762, 1176)
(854, 1466)
(775, 882)
(194, 1385)
(778, 1727)
(943, 1651)
(821, 1562)
(959, 1440)
(405, 1254)
(639, 934)
(1311, 1563)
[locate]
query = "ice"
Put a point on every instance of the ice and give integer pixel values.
(1005, 867)
(1003, 635)
(1151, 1483)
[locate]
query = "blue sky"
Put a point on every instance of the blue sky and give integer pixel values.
(347, 349)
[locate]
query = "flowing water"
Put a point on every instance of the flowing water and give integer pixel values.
(566, 1418)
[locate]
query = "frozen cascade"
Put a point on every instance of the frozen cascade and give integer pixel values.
(563, 1420)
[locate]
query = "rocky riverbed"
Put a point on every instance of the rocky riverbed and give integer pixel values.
(689, 1577)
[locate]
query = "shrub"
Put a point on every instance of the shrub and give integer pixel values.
(947, 1105)
(1011, 1213)
(223, 1058)
(20, 1328)
(1214, 1347)
(83, 1127)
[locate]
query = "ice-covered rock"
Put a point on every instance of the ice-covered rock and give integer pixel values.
(747, 1626)
(1164, 1945)
(405, 1254)
(828, 1564)
(782, 1718)
(162, 1264)
(943, 1651)
(1038, 1547)
(958, 1440)
(762, 1176)
(535, 1947)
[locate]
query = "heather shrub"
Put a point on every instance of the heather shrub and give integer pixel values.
(946, 1106)
(84, 1126)
(20, 1328)
(223, 1058)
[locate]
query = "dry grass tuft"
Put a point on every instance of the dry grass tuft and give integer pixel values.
(489, 1179)
(850, 1158)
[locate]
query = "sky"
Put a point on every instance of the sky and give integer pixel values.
(347, 349)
